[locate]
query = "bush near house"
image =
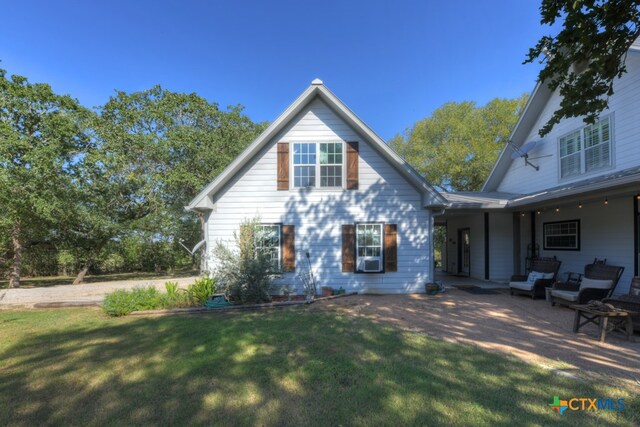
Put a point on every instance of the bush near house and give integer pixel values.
(245, 273)
(123, 302)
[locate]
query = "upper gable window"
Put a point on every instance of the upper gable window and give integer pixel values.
(586, 149)
(323, 160)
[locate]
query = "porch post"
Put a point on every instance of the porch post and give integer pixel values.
(516, 243)
(636, 237)
(486, 246)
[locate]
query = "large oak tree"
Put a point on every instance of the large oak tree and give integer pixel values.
(42, 140)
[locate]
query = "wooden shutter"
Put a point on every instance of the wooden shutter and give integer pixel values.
(283, 166)
(352, 165)
(348, 248)
(288, 248)
(390, 247)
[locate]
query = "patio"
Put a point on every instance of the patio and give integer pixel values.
(518, 326)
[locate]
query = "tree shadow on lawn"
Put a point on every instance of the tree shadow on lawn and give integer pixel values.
(290, 367)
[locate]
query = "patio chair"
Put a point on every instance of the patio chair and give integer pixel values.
(598, 282)
(630, 302)
(543, 275)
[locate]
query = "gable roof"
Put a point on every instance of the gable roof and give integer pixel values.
(532, 110)
(536, 103)
(317, 89)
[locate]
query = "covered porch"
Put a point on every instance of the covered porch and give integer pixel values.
(491, 236)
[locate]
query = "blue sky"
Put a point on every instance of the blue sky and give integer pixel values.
(392, 62)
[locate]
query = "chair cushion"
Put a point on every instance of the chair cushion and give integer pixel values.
(595, 284)
(565, 295)
(523, 286)
(533, 276)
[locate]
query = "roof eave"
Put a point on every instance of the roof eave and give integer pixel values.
(431, 198)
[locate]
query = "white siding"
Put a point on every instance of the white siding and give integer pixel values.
(624, 107)
(500, 246)
(475, 224)
(605, 232)
(383, 196)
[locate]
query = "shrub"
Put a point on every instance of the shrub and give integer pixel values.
(244, 273)
(122, 302)
(201, 290)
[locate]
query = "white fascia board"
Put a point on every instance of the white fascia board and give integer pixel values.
(538, 98)
(431, 197)
(200, 201)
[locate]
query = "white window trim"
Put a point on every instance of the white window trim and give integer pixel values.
(317, 187)
(364, 258)
(279, 240)
(583, 171)
(546, 247)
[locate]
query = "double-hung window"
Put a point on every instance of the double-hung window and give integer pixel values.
(267, 242)
(586, 149)
(369, 247)
(318, 159)
(562, 235)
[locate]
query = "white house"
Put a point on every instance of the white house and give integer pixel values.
(321, 181)
(572, 194)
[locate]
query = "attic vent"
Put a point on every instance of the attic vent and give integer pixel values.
(316, 82)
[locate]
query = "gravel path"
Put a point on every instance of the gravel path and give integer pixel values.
(75, 295)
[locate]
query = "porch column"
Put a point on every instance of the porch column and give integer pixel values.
(487, 263)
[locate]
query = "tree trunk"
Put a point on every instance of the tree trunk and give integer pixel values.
(82, 273)
(16, 269)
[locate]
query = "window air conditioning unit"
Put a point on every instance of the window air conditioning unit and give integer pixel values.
(370, 265)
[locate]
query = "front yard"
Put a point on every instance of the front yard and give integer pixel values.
(282, 367)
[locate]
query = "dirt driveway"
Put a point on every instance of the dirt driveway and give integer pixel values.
(513, 325)
(75, 295)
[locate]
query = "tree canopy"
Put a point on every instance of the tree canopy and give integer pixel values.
(113, 180)
(42, 141)
(456, 147)
(587, 55)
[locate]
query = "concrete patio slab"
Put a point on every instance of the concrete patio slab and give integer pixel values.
(512, 325)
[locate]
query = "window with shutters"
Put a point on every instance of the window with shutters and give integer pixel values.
(369, 247)
(586, 150)
(318, 165)
(267, 242)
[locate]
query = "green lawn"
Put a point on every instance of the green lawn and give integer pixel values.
(38, 282)
(299, 366)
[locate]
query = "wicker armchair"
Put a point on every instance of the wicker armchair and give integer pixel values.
(630, 302)
(536, 289)
(585, 290)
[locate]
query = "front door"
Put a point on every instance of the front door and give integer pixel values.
(464, 252)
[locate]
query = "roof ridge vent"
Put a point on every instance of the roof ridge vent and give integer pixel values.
(317, 82)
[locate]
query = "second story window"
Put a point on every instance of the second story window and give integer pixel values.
(586, 149)
(324, 159)
(304, 165)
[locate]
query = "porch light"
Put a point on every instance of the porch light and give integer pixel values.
(557, 209)
(522, 213)
(638, 196)
(579, 205)
(538, 212)
(606, 201)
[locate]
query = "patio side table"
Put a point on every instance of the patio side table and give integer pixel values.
(620, 320)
